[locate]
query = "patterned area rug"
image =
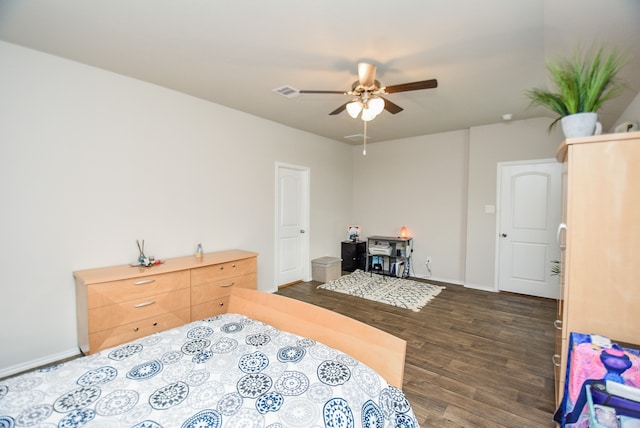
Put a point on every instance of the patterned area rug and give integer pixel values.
(403, 293)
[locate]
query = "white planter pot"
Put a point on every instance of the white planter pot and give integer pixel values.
(581, 125)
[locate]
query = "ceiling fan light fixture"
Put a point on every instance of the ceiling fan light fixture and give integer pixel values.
(354, 108)
(366, 94)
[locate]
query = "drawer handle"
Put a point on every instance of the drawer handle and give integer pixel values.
(556, 360)
(221, 303)
(558, 324)
(227, 285)
(136, 329)
(561, 227)
(233, 265)
(142, 305)
(155, 324)
(144, 281)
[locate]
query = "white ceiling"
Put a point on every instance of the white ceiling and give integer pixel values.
(485, 54)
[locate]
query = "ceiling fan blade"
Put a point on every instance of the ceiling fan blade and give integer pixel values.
(323, 92)
(340, 109)
(366, 74)
(413, 86)
(391, 107)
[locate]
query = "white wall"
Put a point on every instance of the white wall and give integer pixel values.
(631, 114)
(437, 186)
(90, 161)
(488, 145)
(419, 183)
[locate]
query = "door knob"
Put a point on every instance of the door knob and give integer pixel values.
(504, 235)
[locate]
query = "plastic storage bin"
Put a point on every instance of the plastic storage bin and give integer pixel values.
(612, 420)
(326, 269)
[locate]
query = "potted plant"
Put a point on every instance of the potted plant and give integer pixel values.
(555, 268)
(582, 84)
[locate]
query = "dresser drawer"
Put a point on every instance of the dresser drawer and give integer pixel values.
(106, 317)
(210, 308)
(108, 293)
(217, 289)
(125, 333)
(203, 275)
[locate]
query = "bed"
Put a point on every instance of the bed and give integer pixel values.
(270, 361)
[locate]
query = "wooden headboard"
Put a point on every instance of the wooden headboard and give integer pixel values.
(377, 349)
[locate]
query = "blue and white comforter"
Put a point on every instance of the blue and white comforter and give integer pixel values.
(225, 371)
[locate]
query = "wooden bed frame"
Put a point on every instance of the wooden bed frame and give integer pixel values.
(379, 350)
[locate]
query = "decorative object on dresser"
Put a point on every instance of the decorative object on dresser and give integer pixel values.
(354, 255)
(121, 303)
(600, 264)
(144, 260)
(354, 232)
(403, 293)
(389, 256)
(583, 84)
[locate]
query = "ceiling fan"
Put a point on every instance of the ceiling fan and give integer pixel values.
(366, 93)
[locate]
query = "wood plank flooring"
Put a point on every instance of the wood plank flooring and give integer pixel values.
(474, 358)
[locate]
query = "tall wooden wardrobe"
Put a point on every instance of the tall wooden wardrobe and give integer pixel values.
(601, 259)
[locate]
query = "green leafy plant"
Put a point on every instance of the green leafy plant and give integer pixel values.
(582, 83)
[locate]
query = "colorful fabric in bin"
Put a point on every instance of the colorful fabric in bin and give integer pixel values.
(593, 358)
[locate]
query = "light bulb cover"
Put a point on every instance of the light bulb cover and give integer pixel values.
(354, 108)
(376, 105)
(367, 114)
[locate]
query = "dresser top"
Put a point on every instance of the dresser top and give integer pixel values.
(115, 273)
(561, 152)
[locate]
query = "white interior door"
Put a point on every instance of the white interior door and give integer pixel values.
(292, 219)
(529, 215)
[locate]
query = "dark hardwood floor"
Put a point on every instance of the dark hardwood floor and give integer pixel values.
(474, 358)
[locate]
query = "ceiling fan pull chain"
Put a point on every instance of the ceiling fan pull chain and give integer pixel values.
(364, 150)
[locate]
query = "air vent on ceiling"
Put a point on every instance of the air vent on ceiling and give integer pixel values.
(287, 91)
(356, 137)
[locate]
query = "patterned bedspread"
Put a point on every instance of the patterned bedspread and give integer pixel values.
(225, 371)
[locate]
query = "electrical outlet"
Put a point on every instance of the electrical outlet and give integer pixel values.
(428, 260)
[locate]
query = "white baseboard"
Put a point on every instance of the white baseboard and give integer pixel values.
(481, 287)
(435, 278)
(30, 365)
(457, 282)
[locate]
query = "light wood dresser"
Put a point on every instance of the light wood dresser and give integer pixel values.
(601, 263)
(118, 304)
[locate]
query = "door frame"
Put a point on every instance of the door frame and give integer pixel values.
(304, 243)
(500, 166)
